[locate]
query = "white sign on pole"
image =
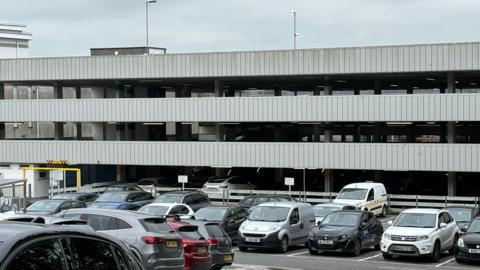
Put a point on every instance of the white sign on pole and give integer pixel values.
(289, 181)
(183, 179)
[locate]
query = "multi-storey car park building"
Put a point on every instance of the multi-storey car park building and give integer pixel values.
(407, 115)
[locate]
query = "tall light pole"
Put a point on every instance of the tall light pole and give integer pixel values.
(146, 19)
(295, 34)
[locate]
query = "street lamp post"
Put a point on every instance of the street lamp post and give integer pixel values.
(295, 34)
(146, 20)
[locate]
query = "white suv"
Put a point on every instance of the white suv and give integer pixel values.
(420, 232)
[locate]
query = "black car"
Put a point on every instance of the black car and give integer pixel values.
(346, 231)
(50, 207)
(219, 243)
(463, 215)
(229, 217)
(76, 196)
(37, 246)
(123, 187)
(468, 245)
(249, 201)
(194, 199)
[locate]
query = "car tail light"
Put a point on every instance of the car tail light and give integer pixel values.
(213, 242)
(152, 240)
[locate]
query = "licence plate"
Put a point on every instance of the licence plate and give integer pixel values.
(325, 242)
(228, 258)
(202, 250)
(404, 248)
(474, 251)
(252, 239)
(171, 244)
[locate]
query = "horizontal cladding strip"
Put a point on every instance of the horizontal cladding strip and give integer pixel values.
(357, 156)
(355, 60)
(438, 107)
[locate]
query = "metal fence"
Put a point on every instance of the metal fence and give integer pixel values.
(14, 195)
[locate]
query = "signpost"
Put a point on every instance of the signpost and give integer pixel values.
(183, 179)
(289, 181)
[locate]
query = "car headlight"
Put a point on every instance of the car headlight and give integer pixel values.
(387, 236)
(343, 237)
(242, 227)
(274, 228)
(422, 237)
(460, 243)
(310, 235)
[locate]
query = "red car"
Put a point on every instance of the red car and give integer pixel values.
(195, 247)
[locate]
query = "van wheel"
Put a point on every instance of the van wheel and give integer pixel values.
(435, 256)
(384, 211)
(387, 256)
(454, 247)
(283, 247)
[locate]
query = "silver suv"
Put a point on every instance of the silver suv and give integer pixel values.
(149, 237)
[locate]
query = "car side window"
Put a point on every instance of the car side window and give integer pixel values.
(248, 201)
(93, 254)
(122, 259)
(349, 207)
(182, 210)
(98, 222)
(42, 255)
(174, 210)
(448, 218)
(295, 216)
(65, 206)
(77, 204)
(440, 219)
(118, 224)
(371, 195)
(91, 198)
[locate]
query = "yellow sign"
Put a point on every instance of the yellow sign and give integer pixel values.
(57, 162)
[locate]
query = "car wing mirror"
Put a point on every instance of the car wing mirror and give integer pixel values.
(443, 225)
(390, 223)
(319, 223)
(463, 229)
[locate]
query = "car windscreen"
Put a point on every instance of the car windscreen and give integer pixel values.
(352, 194)
(190, 232)
(156, 225)
(269, 213)
(341, 219)
(104, 205)
(216, 181)
(166, 198)
(321, 211)
(65, 197)
(210, 213)
(461, 214)
(415, 220)
(474, 226)
(44, 206)
(113, 197)
(215, 231)
(154, 210)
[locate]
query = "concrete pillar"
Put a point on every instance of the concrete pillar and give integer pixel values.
(59, 126)
(316, 127)
(277, 136)
(328, 137)
(2, 124)
(451, 136)
(377, 90)
(328, 180)
(219, 129)
(121, 172)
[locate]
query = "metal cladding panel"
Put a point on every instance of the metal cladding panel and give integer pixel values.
(368, 108)
(415, 157)
(356, 60)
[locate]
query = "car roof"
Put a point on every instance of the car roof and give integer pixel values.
(460, 206)
(13, 232)
(422, 211)
(363, 185)
(165, 204)
(283, 204)
(125, 192)
(332, 204)
(123, 185)
(56, 200)
(110, 212)
(75, 193)
(182, 192)
(358, 212)
(267, 195)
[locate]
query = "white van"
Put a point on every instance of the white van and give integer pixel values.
(366, 196)
(276, 225)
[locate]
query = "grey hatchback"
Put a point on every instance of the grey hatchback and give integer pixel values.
(194, 199)
(219, 243)
(149, 237)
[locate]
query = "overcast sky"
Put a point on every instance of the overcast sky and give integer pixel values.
(71, 27)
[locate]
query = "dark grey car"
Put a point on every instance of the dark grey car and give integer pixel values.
(76, 196)
(50, 207)
(194, 199)
(219, 243)
(229, 217)
(149, 237)
(36, 246)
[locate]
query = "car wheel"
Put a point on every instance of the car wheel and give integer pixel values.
(384, 211)
(357, 248)
(283, 247)
(454, 247)
(387, 256)
(436, 252)
(313, 252)
(242, 249)
(459, 260)
(377, 246)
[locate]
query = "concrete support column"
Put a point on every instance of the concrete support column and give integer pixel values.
(2, 124)
(451, 136)
(329, 181)
(328, 137)
(219, 129)
(59, 126)
(377, 90)
(316, 127)
(277, 136)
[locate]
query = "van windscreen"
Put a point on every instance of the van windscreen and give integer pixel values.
(269, 213)
(352, 194)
